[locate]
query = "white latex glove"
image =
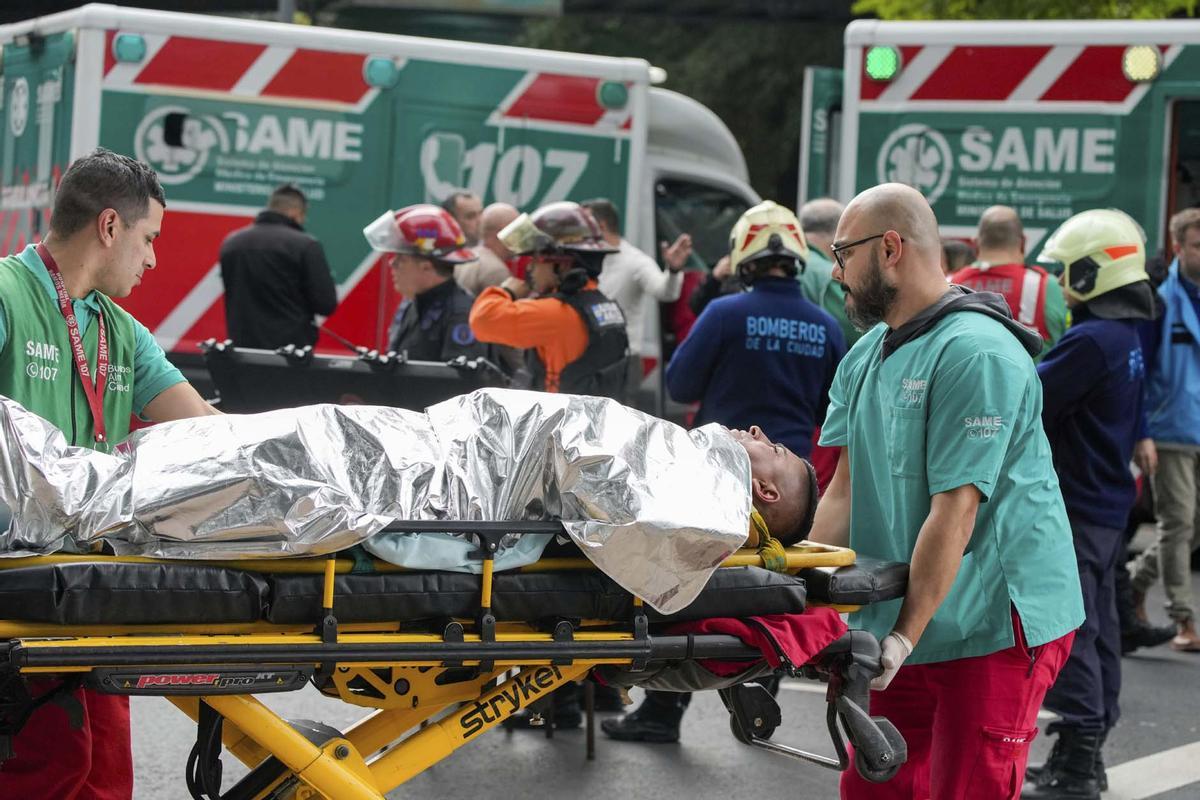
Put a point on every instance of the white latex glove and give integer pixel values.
(896, 648)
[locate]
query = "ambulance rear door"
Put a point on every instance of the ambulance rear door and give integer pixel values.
(820, 133)
(35, 132)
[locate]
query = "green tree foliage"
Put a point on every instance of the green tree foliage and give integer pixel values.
(1025, 9)
(751, 73)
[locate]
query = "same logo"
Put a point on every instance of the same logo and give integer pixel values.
(185, 156)
(919, 156)
(18, 107)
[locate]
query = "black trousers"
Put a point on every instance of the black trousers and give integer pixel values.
(1087, 690)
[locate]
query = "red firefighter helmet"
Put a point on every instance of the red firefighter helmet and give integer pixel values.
(422, 230)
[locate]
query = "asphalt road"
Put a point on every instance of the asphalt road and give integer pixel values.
(1154, 752)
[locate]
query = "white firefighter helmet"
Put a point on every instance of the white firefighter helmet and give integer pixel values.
(767, 230)
(1100, 250)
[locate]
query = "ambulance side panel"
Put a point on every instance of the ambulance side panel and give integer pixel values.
(1048, 127)
(223, 122)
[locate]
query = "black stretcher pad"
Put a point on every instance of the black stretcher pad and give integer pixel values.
(112, 593)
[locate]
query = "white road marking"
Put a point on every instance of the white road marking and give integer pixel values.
(1154, 774)
(812, 687)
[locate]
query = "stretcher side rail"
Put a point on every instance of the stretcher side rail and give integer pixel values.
(72, 657)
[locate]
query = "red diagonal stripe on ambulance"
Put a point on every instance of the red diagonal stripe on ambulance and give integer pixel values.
(980, 73)
(200, 63)
(320, 75)
(1095, 75)
(210, 325)
(109, 59)
(569, 99)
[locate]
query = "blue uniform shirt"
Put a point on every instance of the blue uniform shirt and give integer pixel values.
(1091, 409)
(766, 357)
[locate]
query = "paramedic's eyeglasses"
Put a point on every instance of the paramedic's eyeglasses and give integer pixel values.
(838, 249)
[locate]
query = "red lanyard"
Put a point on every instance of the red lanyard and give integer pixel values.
(93, 388)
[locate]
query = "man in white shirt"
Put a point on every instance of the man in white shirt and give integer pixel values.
(631, 277)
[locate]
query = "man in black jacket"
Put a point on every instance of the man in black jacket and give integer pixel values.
(276, 277)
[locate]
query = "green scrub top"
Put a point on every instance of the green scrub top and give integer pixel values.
(961, 404)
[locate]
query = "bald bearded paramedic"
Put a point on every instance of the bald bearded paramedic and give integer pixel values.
(945, 465)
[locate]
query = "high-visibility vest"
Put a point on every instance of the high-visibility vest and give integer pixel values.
(1023, 287)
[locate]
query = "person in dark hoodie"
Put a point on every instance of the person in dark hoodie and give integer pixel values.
(938, 409)
(1093, 412)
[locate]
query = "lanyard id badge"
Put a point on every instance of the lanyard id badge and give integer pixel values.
(93, 388)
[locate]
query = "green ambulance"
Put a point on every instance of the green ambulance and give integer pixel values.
(1051, 118)
(226, 109)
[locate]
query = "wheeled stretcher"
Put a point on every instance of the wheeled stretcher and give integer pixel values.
(433, 653)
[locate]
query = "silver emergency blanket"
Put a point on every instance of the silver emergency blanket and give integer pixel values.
(655, 507)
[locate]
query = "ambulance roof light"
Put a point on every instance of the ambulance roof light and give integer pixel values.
(1141, 63)
(129, 48)
(380, 72)
(883, 63)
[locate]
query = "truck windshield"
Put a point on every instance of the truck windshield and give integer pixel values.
(706, 212)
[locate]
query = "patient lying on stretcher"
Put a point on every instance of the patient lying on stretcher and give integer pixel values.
(655, 507)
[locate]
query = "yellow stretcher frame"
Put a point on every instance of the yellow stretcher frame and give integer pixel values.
(425, 707)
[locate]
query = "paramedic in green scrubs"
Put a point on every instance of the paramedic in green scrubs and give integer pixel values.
(71, 355)
(945, 466)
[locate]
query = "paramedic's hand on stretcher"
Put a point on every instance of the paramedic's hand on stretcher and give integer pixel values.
(896, 648)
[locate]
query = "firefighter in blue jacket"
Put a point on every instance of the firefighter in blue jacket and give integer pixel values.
(765, 357)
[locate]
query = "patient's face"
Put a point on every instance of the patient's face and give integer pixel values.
(779, 480)
(769, 461)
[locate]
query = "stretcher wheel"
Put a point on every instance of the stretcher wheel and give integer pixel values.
(740, 735)
(872, 775)
(899, 754)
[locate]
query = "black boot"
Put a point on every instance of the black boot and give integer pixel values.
(1101, 770)
(1136, 631)
(564, 711)
(1074, 775)
(1036, 773)
(655, 720)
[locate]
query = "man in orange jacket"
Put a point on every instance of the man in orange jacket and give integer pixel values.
(574, 334)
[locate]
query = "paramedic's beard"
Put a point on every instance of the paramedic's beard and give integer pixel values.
(867, 305)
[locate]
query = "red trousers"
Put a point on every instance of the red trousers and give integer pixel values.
(53, 761)
(968, 723)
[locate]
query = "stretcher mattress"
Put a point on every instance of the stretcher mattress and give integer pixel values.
(115, 593)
